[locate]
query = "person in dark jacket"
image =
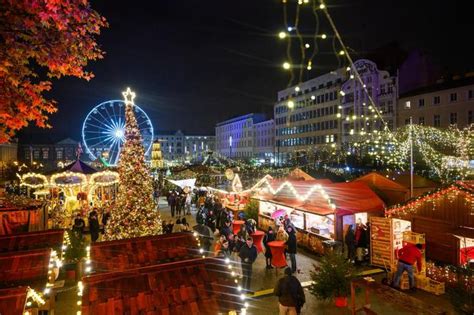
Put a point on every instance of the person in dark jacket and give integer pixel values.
(350, 243)
(105, 219)
(79, 225)
(269, 237)
(94, 227)
(248, 255)
(224, 251)
(205, 236)
(290, 294)
(172, 203)
(291, 247)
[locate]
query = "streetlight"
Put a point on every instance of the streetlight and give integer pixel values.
(230, 146)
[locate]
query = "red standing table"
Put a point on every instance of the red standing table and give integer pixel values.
(278, 253)
(236, 225)
(257, 240)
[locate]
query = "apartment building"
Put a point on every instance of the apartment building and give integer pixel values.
(449, 102)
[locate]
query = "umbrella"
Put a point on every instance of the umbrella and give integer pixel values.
(278, 213)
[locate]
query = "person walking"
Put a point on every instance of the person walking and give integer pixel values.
(105, 219)
(205, 236)
(188, 202)
(291, 247)
(290, 294)
(408, 255)
(269, 237)
(78, 227)
(349, 239)
(248, 255)
(94, 227)
(172, 203)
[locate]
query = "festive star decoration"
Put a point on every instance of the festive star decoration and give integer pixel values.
(129, 96)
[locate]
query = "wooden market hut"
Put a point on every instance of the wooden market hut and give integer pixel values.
(394, 188)
(13, 300)
(159, 274)
(446, 217)
(319, 209)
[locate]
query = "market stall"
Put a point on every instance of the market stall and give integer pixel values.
(319, 209)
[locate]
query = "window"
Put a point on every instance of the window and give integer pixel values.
(421, 120)
(45, 153)
(453, 118)
(436, 100)
(436, 120)
(59, 154)
(470, 118)
(407, 105)
(36, 154)
(421, 102)
(407, 121)
(453, 97)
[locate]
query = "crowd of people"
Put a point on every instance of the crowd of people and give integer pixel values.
(357, 242)
(94, 227)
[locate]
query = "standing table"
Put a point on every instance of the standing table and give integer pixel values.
(257, 240)
(278, 253)
(236, 225)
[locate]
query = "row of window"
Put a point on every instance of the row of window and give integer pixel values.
(236, 126)
(307, 141)
(315, 113)
(235, 144)
(453, 97)
(322, 125)
(313, 88)
(453, 119)
(265, 142)
(43, 153)
(320, 99)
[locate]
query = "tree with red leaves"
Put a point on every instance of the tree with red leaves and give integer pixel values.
(41, 40)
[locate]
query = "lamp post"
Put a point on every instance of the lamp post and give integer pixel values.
(230, 147)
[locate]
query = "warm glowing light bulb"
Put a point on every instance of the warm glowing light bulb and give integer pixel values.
(341, 52)
(291, 104)
(286, 65)
(297, 89)
(342, 93)
(306, 45)
(313, 97)
(282, 35)
(324, 36)
(322, 6)
(348, 69)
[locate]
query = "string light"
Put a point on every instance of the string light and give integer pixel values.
(286, 66)
(25, 177)
(282, 35)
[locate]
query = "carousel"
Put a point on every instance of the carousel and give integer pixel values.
(76, 187)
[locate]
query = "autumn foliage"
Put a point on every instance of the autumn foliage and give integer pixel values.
(41, 40)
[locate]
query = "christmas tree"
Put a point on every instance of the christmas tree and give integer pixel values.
(134, 213)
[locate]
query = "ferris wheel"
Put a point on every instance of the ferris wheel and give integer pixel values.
(103, 131)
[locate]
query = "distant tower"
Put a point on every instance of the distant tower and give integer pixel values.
(156, 156)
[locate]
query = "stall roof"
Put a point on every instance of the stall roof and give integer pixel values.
(12, 300)
(349, 198)
(297, 174)
(404, 180)
(374, 179)
(77, 167)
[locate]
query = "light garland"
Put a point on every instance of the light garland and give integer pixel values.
(29, 175)
(34, 297)
(68, 174)
(95, 178)
(403, 210)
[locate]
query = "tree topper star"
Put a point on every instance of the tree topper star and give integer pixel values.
(129, 96)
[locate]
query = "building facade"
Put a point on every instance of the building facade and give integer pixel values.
(359, 116)
(439, 105)
(307, 116)
(264, 141)
(178, 147)
(235, 138)
(327, 111)
(51, 155)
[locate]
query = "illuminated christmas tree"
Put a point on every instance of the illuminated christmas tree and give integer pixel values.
(134, 213)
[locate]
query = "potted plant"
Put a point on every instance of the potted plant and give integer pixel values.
(332, 279)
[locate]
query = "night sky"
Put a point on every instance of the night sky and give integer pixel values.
(194, 63)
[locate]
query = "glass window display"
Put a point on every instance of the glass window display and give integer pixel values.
(297, 218)
(321, 225)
